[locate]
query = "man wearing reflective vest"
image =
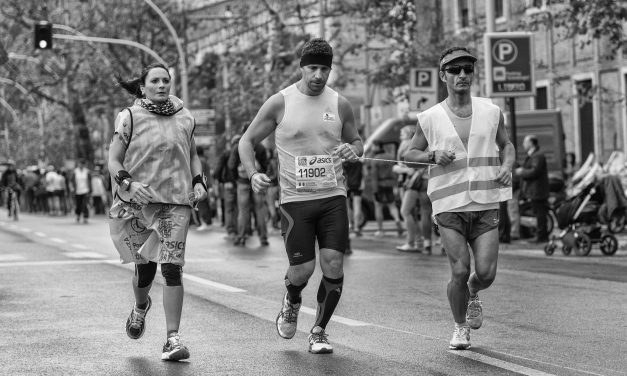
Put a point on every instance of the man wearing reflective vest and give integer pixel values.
(465, 140)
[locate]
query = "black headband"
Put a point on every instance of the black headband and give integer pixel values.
(318, 59)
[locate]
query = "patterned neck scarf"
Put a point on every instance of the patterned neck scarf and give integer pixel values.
(166, 108)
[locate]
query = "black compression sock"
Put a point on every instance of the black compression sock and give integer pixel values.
(293, 291)
(329, 294)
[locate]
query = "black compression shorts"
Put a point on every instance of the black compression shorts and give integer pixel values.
(303, 222)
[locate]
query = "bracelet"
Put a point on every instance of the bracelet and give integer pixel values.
(121, 175)
(200, 178)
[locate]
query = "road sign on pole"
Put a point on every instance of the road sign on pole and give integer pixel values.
(423, 88)
(509, 64)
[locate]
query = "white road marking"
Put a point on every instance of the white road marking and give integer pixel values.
(80, 246)
(216, 285)
(40, 234)
(58, 240)
(499, 363)
(24, 229)
(11, 257)
(86, 254)
(336, 318)
(53, 262)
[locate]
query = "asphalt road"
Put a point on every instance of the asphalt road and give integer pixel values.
(64, 299)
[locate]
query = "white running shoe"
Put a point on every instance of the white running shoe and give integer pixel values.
(318, 342)
(407, 248)
(287, 319)
(461, 338)
(173, 349)
(474, 313)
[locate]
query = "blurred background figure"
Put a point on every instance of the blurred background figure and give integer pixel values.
(54, 183)
(227, 190)
(204, 210)
(354, 173)
(272, 193)
(81, 186)
(98, 191)
(535, 185)
(11, 179)
(409, 180)
(383, 184)
(249, 202)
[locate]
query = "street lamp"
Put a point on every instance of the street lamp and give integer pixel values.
(179, 47)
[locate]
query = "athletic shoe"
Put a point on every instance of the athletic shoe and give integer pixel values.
(318, 342)
(264, 242)
(474, 313)
(407, 248)
(173, 350)
(461, 338)
(136, 322)
(287, 319)
(379, 234)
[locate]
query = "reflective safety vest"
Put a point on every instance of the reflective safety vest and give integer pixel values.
(471, 176)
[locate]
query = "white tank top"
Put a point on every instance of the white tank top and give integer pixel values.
(310, 130)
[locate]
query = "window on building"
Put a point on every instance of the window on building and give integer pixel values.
(464, 13)
(542, 99)
(537, 3)
(498, 9)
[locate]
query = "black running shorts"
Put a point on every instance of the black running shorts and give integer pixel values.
(304, 222)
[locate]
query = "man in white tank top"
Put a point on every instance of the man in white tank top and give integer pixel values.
(464, 136)
(314, 130)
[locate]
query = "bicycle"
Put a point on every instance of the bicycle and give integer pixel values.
(13, 203)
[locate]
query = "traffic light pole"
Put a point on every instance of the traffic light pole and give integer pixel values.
(111, 41)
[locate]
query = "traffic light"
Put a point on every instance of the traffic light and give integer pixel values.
(43, 35)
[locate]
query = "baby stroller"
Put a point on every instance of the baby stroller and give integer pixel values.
(584, 220)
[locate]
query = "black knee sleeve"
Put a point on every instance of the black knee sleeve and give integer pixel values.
(145, 274)
(172, 274)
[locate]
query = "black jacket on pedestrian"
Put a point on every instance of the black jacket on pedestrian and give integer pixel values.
(535, 177)
(261, 157)
(222, 173)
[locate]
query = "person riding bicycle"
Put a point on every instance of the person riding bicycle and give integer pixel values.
(12, 182)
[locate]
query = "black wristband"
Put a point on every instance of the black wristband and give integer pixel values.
(121, 175)
(200, 178)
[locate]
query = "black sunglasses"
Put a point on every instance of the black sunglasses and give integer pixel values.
(456, 69)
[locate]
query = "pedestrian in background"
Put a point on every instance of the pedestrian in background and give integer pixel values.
(81, 185)
(158, 178)
(383, 184)
(464, 135)
(204, 210)
(98, 191)
(411, 181)
(535, 185)
(228, 190)
(354, 172)
(272, 193)
(248, 201)
(314, 130)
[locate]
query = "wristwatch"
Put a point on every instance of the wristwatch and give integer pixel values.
(432, 156)
(126, 184)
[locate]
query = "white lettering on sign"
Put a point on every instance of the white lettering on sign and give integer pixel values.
(504, 51)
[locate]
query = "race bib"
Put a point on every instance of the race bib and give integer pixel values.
(314, 172)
